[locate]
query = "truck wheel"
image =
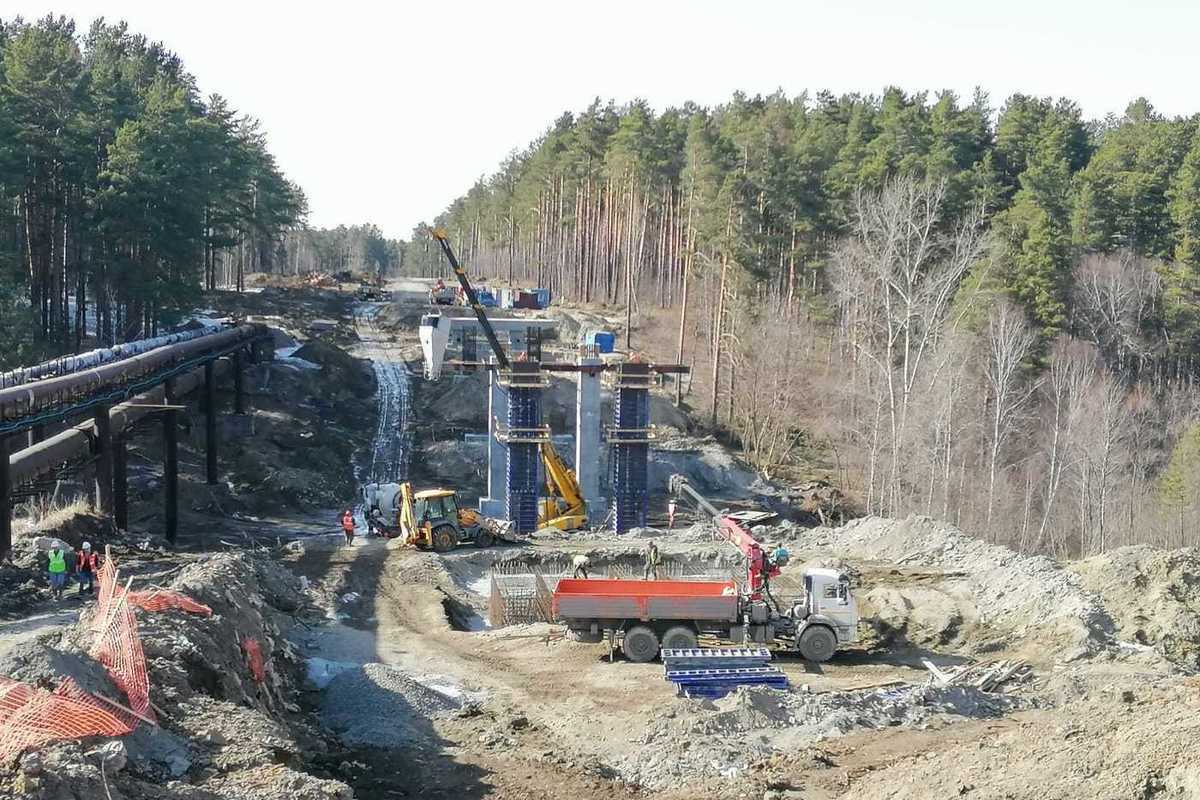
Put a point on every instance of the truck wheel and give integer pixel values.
(444, 538)
(640, 645)
(817, 643)
(484, 539)
(679, 637)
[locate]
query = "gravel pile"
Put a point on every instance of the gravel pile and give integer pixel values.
(378, 706)
(723, 739)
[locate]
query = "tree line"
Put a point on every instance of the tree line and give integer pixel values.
(346, 248)
(985, 314)
(123, 192)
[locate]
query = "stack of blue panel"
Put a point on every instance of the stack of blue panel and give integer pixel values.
(714, 673)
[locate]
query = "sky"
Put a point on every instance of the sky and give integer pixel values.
(385, 112)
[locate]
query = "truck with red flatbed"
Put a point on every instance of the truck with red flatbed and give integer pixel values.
(647, 616)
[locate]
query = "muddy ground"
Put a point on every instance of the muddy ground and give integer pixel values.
(384, 679)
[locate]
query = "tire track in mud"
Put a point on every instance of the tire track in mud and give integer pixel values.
(390, 446)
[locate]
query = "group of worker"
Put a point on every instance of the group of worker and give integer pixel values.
(653, 561)
(86, 566)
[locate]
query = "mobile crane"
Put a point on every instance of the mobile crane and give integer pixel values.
(649, 615)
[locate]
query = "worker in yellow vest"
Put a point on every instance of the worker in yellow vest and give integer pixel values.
(58, 570)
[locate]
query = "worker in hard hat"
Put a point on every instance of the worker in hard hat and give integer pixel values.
(85, 567)
(653, 560)
(581, 563)
(348, 526)
(57, 569)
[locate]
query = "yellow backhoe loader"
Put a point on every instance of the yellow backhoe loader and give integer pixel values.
(430, 519)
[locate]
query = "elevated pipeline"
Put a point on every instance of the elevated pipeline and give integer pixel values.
(43, 400)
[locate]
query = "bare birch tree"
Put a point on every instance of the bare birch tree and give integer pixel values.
(900, 263)
(1009, 340)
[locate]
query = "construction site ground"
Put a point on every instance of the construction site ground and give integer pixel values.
(384, 679)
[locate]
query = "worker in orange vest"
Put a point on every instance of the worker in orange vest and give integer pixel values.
(348, 526)
(85, 567)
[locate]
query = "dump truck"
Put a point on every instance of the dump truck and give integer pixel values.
(644, 616)
(430, 519)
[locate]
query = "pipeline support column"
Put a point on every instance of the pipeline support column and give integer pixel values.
(588, 439)
(239, 389)
(120, 481)
(524, 436)
(210, 422)
(104, 460)
(5, 500)
(630, 438)
(170, 465)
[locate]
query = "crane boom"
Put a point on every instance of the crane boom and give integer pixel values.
(472, 298)
(758, 568)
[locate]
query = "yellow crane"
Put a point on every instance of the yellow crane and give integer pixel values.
(564, 507)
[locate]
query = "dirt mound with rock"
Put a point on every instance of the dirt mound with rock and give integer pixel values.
(724, 738)
(1153, 596)
(982, 598)
(222, 732)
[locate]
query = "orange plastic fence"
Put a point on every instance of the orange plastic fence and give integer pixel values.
(162, 599)
(31, 717)
(254, 659)
(117, 644)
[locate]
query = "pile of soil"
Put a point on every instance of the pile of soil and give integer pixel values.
(222, 733)
(987, 597)
(1152, 595)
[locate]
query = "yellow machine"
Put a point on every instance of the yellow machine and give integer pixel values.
(432, 519)
(564, 507)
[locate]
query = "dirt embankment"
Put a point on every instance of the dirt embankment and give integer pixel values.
(222, 733)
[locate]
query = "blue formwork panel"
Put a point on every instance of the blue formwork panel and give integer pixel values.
(521, 469)
(709, 658)
(631, 418)
(719, 682)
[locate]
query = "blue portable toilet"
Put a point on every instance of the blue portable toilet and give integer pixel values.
(543, 297)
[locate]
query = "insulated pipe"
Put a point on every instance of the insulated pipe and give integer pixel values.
(81, 361)
(20, 401)
(27, 464)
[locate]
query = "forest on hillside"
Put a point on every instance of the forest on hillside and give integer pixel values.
(123, 193)
(986, 314)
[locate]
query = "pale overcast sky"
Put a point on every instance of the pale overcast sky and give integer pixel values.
(385, 112)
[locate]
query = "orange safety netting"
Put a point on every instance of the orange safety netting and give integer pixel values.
(162, 599)
(117, 644)
(254, 659)
(31, 717)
